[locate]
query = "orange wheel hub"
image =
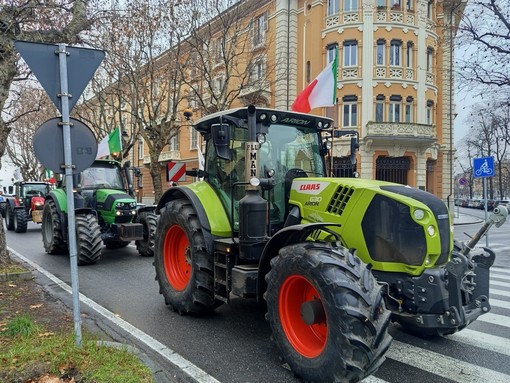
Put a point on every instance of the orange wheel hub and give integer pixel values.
(177, 258)
(308, 340)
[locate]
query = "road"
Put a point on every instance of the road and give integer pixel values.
(233, 344)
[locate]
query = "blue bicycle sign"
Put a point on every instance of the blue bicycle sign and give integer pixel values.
(483, 167)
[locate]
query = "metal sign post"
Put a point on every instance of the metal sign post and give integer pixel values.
(68, 168)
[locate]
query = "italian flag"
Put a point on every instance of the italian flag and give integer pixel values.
(321, 91)
(110, 144)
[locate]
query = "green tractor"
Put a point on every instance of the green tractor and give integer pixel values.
(334, 259)
(106, 213)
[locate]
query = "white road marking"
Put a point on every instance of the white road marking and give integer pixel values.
(498, 292)
(167, 353)
(444, 366)
(499, 303)
(482, 340)
(500, 320)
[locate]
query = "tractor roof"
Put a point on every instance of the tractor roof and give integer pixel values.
(106, 163)
(266, 116)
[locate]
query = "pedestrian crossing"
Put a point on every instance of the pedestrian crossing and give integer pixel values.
(479, 353)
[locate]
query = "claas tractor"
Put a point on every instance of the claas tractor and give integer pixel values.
(106, 213)
(332, 260)
(26, 204)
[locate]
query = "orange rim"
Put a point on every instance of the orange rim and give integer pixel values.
(308, 340)
(177, 258)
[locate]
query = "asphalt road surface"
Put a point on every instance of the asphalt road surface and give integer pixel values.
(233, 344)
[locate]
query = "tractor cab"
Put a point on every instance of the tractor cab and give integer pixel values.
(287, 148)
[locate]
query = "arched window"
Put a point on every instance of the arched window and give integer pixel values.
(430, 59)
(350, 53)
(409, 109)
(395, 52)
(379, 108)
(409, 54)
(430, 109)
(395, 107)
(379, 52)
(350, 111)
(430, 8)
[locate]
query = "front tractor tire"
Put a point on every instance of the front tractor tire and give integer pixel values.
(20, 221)
(184, 270)
(327, 313)
(88, 239)
(149, 221)
(9, 218)
(53, 238)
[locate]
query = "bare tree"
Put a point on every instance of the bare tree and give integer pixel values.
(58, 21)
(31, 109)
(141, 85)
(485, 40)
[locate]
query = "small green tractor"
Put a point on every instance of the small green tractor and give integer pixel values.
(335, 259)
(106, 212)
(26, 205)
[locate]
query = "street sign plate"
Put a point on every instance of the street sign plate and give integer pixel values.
(483, 167)
(43, 60)
(49, 151)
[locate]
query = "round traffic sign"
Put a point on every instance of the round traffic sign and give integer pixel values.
(462, 181)
(48, 144)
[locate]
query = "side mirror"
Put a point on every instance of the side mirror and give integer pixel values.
(221, 139)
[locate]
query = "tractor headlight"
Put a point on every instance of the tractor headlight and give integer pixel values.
(38, 203)
(431, 230)
(418, 214)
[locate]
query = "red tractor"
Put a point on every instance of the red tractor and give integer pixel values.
(26, 205)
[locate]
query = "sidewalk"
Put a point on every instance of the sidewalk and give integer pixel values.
(465, 219)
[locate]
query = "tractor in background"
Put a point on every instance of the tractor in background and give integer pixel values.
(106, 214)
(335, 260)
(25, 205)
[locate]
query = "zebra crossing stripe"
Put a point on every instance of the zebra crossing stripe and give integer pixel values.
(482, 340)
(500, 320)
(498, 292)
(499, 303)
(501, 270)
(442, 365)
(498, 283)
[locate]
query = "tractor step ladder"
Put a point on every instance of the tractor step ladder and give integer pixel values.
(221, 277)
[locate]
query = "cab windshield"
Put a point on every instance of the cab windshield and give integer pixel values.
(98, 177)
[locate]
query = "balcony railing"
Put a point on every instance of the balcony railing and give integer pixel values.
(170, 155)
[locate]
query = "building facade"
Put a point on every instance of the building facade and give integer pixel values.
(394, 83)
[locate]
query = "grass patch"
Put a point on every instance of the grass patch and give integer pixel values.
(28, 351)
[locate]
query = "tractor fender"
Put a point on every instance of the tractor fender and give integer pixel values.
(143, 209)
(12, 203)
(289, 235)
(178, 192)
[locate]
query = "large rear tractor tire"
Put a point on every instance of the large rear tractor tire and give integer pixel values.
(327, 313)
(20, 221)
(88, 239)
(184, 270)
(53, 238)
(145, 246)
(9, 218)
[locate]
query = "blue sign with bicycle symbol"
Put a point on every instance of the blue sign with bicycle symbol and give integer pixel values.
(483, 167)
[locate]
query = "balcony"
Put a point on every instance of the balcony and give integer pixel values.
(171, 155)
(258, 92)
(417, 135)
